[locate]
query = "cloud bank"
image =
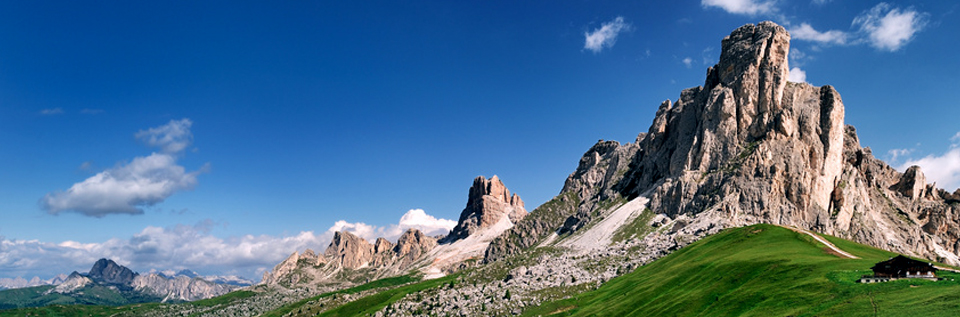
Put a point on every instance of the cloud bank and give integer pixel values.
(414, 218)
(193, 247)
(144, 181)
(605, 36)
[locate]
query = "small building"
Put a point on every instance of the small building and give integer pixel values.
(900, 267)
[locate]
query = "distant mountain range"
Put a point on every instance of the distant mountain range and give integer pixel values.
(114, 284)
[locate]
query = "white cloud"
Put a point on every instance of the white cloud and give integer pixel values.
(820, 2)
(172, 137)
(688, 62)
(50, 112)
(808, 33)
(414, 218)
(943, 169)
(748, 7)
(797, 75)
(145, 181)
(798, 57)
(896, 154)
(605, 36)
(193, 247)
(154, 248)
(889, 28)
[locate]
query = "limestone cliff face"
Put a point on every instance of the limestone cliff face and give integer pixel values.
(349, 251)
(348, 254)
(489, 201)
(749, 147)
(411, 246)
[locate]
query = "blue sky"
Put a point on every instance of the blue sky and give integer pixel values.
(222, 136)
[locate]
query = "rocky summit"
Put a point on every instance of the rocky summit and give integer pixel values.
(488, 202)
(750, 147)
(109, 272)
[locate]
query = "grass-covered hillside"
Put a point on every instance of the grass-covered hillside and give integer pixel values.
(762, 270)
(90, 295)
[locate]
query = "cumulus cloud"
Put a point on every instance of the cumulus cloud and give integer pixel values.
(605, 36)
(688, 62)
(414, 218)
(797, 75)
(888, 28)
(144, 181)
(943, 169)
(747, 7)
(808, 33)
(193, 247)
(51, 112)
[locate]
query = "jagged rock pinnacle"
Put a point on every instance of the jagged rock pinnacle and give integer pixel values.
(489, 201)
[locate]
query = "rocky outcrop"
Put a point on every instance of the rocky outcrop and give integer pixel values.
(73, 282)
(179, 288)
(489, 201)
(411, 246)
(749, 147)
(912, 183)
(491, 209)
(185, 286)
(349, 251)
(108, 272)
(348, 257)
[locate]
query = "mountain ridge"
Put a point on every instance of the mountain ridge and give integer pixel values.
(350, 259)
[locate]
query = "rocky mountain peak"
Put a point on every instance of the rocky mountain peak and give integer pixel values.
(413, 243)
(349, 251)
(750, 147)
(753, 62)
(107, 271)
(488, 202)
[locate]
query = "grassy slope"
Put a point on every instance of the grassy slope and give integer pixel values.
(90, 295)
(761, 270)
(74, 309)
(304, 305)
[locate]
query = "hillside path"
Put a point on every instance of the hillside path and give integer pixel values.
(825, 242)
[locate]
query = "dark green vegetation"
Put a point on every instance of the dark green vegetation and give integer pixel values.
(762, 270)
(307, 306)
(89, 295)
(371, 304)
(76, 309)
